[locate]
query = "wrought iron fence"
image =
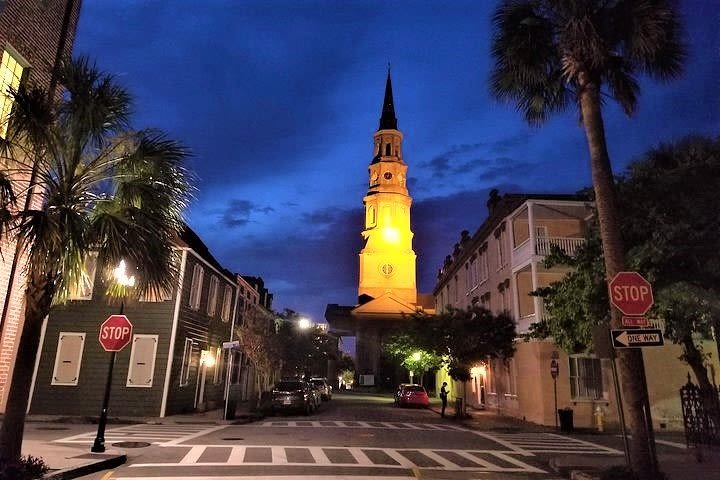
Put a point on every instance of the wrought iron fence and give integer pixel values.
(701, 414)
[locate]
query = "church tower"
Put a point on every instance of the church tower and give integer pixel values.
(387, 261)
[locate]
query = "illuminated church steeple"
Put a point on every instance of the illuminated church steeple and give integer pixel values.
(387, 261)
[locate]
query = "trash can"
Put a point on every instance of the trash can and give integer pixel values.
(565, 416)
(230, 412)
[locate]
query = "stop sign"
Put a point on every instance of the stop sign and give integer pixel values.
(115, 333)
(630, 293)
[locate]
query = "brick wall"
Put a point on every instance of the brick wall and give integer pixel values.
(32, 28)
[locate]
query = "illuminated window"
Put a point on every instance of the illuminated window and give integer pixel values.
(11, 74)
(196, 287)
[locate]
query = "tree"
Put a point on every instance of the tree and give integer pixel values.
(670, 226)
(263, 346)
(307, 348)
(101, 188)
(466, 337)
(550, 54)
(406, 351)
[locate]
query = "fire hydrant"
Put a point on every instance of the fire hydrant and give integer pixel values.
(599, 415)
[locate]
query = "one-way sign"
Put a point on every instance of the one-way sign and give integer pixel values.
(640, 337)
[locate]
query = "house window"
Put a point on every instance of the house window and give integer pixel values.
(220, 366)
(196, 287)
(186, 362)
(585, 378)
(67, 359)
(212, 296)
(142, 361)
(82, 289)
(227, 304)
(511, 377)
(11, 75)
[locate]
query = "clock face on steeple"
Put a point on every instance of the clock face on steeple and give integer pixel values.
(387, 176)
(386, 269)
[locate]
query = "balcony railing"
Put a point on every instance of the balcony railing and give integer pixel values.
(568, 244)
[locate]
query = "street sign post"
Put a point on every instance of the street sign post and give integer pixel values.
(554, 372)
(640, 337)
(115, 334)
(630, 293)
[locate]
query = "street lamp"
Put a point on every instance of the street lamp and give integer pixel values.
(304, 323)
(122, 278)
(417, 356)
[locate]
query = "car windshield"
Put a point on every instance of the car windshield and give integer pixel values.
(288, 386)
(414, 388)
(318, 382)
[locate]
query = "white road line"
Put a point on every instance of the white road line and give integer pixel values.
(438, 458)
(319, 456)
(237, 455)
(360, 456)
(200, 433)
(412, 425)
(430, 426)
(601, 447)
(274, 477)
(514, 461)
(278, 455)
(509, 445)
(365, 425)
(398, 457)
(193, 455)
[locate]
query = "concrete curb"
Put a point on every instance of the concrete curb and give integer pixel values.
(92, 466)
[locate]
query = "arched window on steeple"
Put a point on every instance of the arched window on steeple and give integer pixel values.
(371, 220)
(387, 149)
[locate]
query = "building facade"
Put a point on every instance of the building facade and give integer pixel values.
(387, 290)
(35, 37)
(175, 362)
(498, 267)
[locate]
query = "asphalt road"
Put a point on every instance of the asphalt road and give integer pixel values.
(351, 437)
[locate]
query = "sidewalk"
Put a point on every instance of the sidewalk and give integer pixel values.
(680, 464)
(67, 462)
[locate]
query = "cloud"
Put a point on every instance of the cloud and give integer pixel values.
(238, 212)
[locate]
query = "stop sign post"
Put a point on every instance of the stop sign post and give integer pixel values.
(115, 334)
(630, 293)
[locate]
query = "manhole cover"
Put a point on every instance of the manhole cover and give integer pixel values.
(53, 428)
(233, 439)
(131, 444)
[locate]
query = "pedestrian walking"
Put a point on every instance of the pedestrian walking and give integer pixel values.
(443, 398)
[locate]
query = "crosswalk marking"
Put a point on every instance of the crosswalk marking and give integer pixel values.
(406, 458)
(156, 434)
(552, 443)
(360, 424)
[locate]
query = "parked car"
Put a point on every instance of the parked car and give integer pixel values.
(414, 395)
(316, 394)
(325, 388)
(293, 395)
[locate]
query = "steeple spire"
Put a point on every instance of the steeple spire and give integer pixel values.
(388, 121)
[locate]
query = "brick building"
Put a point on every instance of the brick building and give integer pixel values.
(35, 36)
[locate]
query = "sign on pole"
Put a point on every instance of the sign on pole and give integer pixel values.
(235, 344)
(635, 321)
(633, 338)
(115, 333)
(554, 368)
(630, 293)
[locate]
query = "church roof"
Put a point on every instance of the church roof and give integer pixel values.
(388, 121)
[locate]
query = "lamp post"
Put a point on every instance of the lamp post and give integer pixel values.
(99, 444)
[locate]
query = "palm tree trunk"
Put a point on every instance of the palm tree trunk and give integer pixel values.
(631, 367)
(38, 299)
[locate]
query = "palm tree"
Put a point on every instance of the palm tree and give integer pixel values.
(550, 54)
(101, 188)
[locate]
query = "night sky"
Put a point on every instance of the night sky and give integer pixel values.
(278, 101)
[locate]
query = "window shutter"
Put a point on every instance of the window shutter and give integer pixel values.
(68, 357)
(142, 361)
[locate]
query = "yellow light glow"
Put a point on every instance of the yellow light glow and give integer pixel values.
(477, 371)
(391, 235)
(304, 323)
(206, 358)
(121, 276)
(417, 356)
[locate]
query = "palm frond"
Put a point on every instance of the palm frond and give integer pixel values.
(624, 88)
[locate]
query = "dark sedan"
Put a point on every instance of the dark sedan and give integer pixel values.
(293, 395)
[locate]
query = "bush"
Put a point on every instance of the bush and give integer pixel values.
(26, 468)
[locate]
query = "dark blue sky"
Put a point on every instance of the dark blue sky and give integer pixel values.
(278, 101)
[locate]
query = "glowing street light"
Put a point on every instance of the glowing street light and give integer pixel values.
(304, 323)
(417, 356)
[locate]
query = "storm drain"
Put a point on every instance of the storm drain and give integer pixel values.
(131, 444)
(233, 439)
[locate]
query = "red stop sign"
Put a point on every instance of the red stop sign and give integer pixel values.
(630, 293)
(115, 333)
